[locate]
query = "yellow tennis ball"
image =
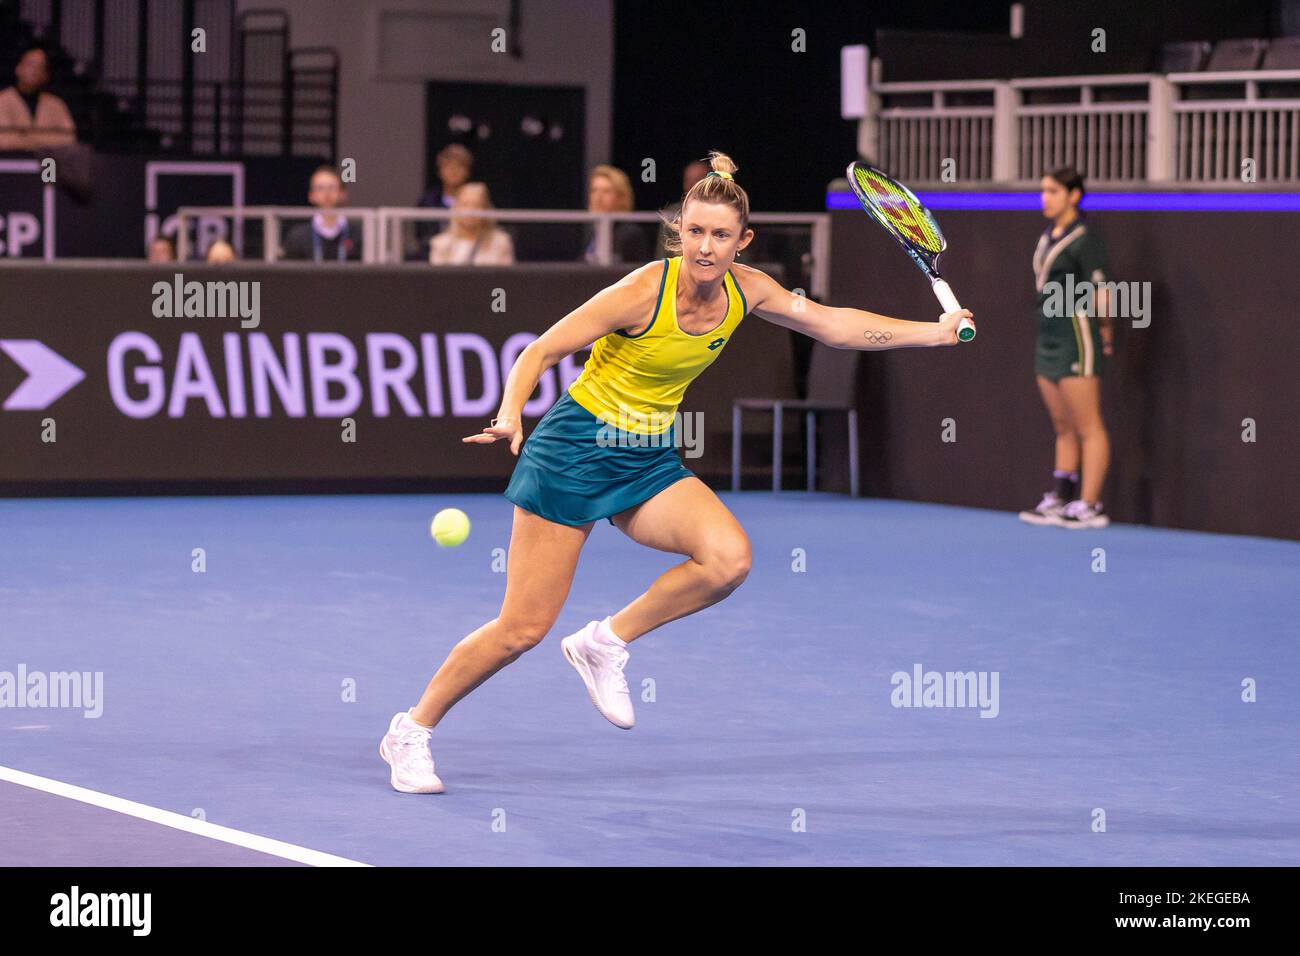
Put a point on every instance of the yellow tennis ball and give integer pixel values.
(450, 527)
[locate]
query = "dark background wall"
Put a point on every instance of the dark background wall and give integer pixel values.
(690, 77)
(1222, 346)
(1057, 39)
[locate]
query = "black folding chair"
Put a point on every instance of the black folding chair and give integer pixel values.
(832, 381)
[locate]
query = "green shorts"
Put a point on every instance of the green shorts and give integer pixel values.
(571, 472)
(1067, 347)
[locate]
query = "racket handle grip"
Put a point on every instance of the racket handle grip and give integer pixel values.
(943, 292)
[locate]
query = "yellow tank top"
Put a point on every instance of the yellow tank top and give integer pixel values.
(636, 382)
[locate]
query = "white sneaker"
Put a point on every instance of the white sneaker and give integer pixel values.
(1047, 511)
(1080, 514)
(600, 665)
(405, 748)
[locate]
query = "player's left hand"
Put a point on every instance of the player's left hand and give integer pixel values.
(508, 428)
(948, 325)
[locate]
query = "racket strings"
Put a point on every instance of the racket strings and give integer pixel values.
(900, 208)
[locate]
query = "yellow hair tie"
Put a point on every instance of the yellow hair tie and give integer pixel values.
(718, 172)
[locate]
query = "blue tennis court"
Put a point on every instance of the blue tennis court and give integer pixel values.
(252, 696)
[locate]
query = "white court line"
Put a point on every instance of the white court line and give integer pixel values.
(286, 851)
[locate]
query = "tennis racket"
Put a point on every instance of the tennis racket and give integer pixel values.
(900, 213)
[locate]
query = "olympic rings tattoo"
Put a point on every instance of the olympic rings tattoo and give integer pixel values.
(877, 338)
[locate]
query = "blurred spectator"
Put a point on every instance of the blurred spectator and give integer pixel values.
(162, 249)
(221, 251)
(472, 240)
(455, 164)
(328, 237)
(31, 119)
(609, 190)
(693, 172)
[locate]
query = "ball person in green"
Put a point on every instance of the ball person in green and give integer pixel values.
(1074, 341)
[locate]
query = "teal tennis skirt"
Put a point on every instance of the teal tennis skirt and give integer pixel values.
(570, 473)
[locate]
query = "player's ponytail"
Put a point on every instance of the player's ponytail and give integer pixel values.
(718, 186)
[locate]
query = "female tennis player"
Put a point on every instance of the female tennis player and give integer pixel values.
(607, 449)
(1070, 354)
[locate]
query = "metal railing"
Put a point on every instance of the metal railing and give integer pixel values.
(1214, 137)
(382, 239)
(271, 218)
(1105, 137)
(930, 124)
(1210, 129)
(132, 81)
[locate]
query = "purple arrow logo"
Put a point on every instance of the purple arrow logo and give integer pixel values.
(49, 375)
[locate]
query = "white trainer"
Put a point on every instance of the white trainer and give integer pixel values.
(1047, 511)
(405, 748)
(1081, 514)
(600, 665)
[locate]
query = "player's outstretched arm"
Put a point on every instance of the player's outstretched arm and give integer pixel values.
(844, 328)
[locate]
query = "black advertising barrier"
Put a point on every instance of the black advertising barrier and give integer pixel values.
(1215, 361)
(413, 357)
(132, 197)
